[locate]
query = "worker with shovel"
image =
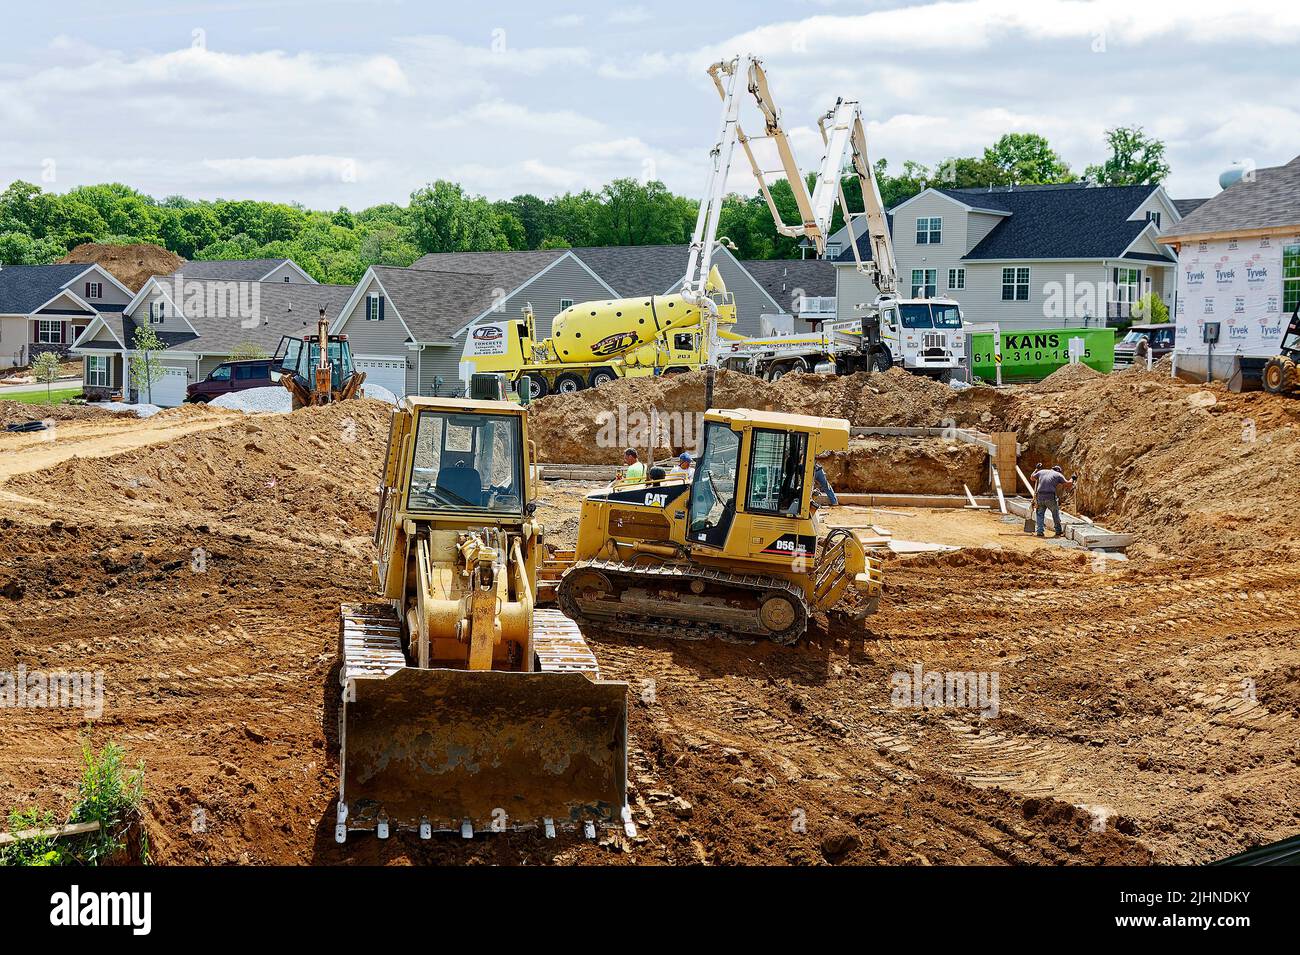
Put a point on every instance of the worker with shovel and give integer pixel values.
(1047, 482)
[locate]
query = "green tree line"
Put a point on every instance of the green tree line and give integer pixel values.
(39, 227)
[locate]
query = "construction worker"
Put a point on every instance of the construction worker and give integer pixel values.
(1047, 482)
(633, 469)
(823, 483)
(684, 469)
(1142, 352)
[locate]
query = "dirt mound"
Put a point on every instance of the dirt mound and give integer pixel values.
(309, 473)
(132, 265)
(1066, 378)
(1181, 465)
(910, 466)
(595, 425)
(13, 412)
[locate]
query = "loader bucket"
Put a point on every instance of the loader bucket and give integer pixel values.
(495, 748)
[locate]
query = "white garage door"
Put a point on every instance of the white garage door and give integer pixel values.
(389, 373)
(168, 388)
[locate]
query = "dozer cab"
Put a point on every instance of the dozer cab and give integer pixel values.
(317, 369)
(733, 554)
(464, 706)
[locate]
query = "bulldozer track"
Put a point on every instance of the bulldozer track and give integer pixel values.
(679, 625)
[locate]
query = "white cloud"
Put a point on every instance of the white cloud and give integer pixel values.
(499, 115)
(630, 16)
(286, 170)
(301, 77)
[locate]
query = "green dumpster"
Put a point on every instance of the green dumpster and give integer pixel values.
(1033, 354)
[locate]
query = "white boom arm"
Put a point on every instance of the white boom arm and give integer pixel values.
(845, 138)
(846, 144)
(700, 260)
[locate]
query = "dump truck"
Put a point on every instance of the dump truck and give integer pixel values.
(465, 707)
(317, 369)
(595, 342)
(736, 553)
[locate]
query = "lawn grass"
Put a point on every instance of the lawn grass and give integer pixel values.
(56, 395)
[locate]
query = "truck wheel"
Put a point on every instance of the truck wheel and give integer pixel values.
(676, 370)
(883, 360)
(1279, 374)
(568, 384)
(600, 377)
(943, 377)
(786, 368)
(537, 387)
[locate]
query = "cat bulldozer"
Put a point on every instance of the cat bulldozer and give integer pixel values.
(733, 553)
(465, 707)
(317, 369)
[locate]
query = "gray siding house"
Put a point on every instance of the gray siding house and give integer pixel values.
(200, 322)
(401, 325)
(46, 307)
(1025, 256)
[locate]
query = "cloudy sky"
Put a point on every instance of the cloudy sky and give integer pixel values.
(355, 102)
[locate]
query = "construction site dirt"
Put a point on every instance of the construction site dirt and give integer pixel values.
(1122, 711)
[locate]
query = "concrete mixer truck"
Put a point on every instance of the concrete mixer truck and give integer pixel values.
(595, 342)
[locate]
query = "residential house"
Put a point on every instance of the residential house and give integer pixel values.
(200, 322)
(401, 324)
(45, 307)
(803, 288)
(1238, 275)
(1025, 257)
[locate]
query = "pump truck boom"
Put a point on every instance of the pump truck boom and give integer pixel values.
(920, 334)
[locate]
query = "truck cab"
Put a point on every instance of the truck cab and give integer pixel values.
(924, 335)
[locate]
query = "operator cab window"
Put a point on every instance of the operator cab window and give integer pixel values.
(467, 462)
(713, 495)
(776, 467)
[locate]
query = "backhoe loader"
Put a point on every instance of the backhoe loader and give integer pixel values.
(464, 706)
(733, 554)
(317, 369)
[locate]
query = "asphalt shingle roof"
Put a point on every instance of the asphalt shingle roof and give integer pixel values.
(781, 277)
(507, 270)
(1061, 221)
(24, 288)
(1270, 199)
(282, 308)
(1186, 207)
(435, 304)
(637, 269)
(1057, 222)
(231, 270)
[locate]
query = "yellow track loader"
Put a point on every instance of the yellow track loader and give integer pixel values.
(733, 554)
(465, 707)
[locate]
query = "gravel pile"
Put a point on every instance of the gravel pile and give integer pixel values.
(121, 407)
(254, 400)
(379, 392)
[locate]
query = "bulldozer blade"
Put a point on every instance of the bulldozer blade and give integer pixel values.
(435, 749)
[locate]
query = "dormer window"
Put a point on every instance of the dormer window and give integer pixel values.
(157, 312)
(94, 290)
(374, 307)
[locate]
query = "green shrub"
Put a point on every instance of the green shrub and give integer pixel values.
(108, 793)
